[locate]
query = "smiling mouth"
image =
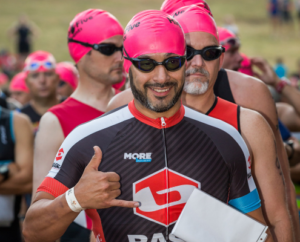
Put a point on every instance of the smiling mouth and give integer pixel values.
(161, 90)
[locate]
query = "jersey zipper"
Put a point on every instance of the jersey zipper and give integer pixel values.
(163, 125)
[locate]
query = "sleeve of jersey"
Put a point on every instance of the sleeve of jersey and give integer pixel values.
(67, 169)
(243, 192)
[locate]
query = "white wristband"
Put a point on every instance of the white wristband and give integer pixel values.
(72, 201)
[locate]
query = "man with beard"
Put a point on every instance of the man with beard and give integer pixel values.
(98, 57)
(150, 144)
(241, 89)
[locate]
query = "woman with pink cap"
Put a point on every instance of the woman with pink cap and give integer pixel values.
(18, 89)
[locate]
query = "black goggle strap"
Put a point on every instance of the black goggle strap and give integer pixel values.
(82, 43)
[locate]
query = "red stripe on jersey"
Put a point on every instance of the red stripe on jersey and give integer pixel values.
(227, 112)
(156, 123)
(52, 186)
(97, 224)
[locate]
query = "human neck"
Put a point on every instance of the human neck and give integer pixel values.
(93, 93)
(201, 103)
(41, 105)
(154, 115)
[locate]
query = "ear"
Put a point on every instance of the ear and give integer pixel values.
(221, 60)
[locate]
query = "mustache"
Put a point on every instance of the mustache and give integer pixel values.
(166, 84)
(116, 66)
(196, 70)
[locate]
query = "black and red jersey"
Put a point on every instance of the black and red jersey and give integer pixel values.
(160, 162)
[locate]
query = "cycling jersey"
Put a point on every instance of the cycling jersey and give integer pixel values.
(10, 204)
(160, 162)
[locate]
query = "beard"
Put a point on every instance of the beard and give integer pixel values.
(196, 86)
(142, 97)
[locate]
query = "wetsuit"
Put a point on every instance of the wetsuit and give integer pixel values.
(10, 204)
(70, 114)
(160, 161)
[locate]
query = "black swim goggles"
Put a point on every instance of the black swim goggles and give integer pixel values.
(208, 53)
(147, 65)
(105, 49)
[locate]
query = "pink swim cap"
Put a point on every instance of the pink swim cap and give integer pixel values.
(246, 66)
(152, 31)
(67, 73)
(195, 19)
(3, 79)
(225, 36)
(18, 83)
(39, 61)
(91, 26)
(170, 6)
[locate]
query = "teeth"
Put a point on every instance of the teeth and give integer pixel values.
(162, 90)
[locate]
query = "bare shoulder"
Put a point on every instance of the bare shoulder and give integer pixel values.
(49, 120)
(253, 122)
(120, 99)
(21, 120)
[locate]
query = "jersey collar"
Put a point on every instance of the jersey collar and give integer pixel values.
(157, 123)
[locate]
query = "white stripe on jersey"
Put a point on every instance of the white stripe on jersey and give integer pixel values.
(217, 123)
(87, 129)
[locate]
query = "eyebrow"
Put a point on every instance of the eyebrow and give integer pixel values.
(147, 56)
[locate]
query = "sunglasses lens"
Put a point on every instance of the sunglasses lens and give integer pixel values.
(189, 53)
(144, 65)
(211, 54)
(48, 65)
(34, 66)
(232, 42)
(107, 49)
(174, 63)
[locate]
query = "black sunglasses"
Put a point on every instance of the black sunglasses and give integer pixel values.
(208, 53)
(147, 65)
(105, 49)
(231, 42)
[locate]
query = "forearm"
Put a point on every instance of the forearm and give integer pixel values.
(47, 220)
(19, 183)
(289, 188)
(282, 228)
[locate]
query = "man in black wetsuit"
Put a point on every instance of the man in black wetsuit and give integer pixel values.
(16, 158)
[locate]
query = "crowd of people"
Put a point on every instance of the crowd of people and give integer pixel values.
(110, 147)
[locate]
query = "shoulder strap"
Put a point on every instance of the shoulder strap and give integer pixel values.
(222, 87)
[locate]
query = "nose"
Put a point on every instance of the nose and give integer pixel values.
(196, 61)
(161, 74)
(119, 55)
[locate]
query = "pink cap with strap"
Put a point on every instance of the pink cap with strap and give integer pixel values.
(152, 31)
(170, 6)
(67, 73)
(18, 83)
(91, 26)
(246, 66)
(226, 35)
(195, 19)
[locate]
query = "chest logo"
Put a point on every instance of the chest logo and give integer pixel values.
(163, 195)
(138, 157)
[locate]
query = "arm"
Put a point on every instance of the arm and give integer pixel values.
(94, 189)
(47, 142)
(20, 182)
(258, 216)
(254, 94)
(294, 153)
(259, 136)
(288, 116)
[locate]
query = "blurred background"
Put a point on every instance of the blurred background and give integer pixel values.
(260, 34)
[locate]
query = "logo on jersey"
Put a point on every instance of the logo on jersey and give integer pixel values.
(159, 237)
(59, 154)
(138, 157)
(249, 161)
(159, 198)
(56, 165)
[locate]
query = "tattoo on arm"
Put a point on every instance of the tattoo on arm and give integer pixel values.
(277, 163)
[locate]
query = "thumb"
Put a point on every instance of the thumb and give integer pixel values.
(96, 159)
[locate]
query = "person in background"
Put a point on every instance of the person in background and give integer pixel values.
(68, 79)
(23, 31)
(280, 68)
(274, 13)
(16, 158)
(295, 77)
(42, 82)
(18, 89)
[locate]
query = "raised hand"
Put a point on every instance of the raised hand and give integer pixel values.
(99, 190)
